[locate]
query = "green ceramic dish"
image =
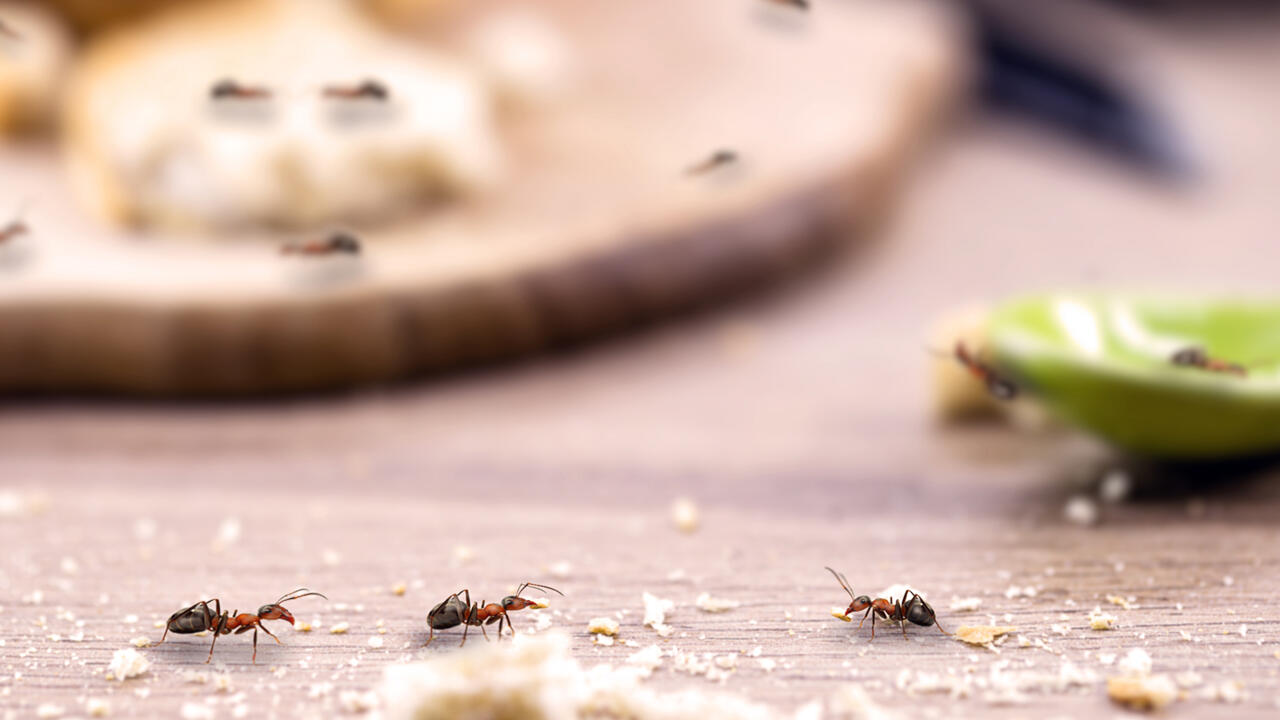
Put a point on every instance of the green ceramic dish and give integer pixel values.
(1103, 362)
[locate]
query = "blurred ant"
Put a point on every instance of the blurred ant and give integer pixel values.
(797, 4)
(717, 159)
(1197, 357)
(199, 618)
(13, 230)
(228, 89)
(910, 609)
(367, 90)
(457, 609)
(9, 33)
(999, 386)
(336, 243)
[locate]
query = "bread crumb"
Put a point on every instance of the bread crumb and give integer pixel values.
(375, 641)
(1014, 592)
(1136, 662)
(462, 555)
(340, 628)
(196, 711)
(560, 570)
(399, 589)
(140, 642)
(49, 710)
(1142, 692)
(840, 615)
(354, 701)
(303, 626)
(706, 603)
(1081, 510)
(127, 663)
(1127, 604)
(606, 640)
(97, 707)
(982, 634)
(684, 514)
(655, 613)
(967, 604)
(1099, 620)
(603, 626)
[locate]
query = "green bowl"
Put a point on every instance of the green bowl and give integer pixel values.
(1102, 362)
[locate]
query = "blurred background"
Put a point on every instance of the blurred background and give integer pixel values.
(1070, 145)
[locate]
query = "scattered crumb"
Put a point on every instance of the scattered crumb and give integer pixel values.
(606, 640)
(603, 626)
(655, 613)
(140, 642)
(706, 603)
(1142, 692)
(1099, 620)
(1125, 603)
(1136, 662)
(1081, 510)
(648, 659)
(560, 570)
(1115, 486)
(303, 626)
(982, 634)
(375, 641)
(228, 534)
(1014, 591)
(354, 701)
(127, 663)
(1228, 580)
(1061, 628)
(330, 557)
(340, 628)
(684, 513)
(399, 589)
(49, 710)
(967, 604)
(462, 555)
(196, 711)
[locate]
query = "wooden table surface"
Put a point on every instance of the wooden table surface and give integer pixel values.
(799, 424)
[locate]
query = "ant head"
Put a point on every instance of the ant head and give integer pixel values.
(515, 602)
(275, 612)
(919, 612)
(374, 89)
(344, 242)
(1189, 356)
(862, 602)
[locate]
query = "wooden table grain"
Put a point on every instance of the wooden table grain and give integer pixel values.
(798, 423)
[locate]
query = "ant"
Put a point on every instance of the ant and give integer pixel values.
(199, 618)
(7, 31)
(369, 90)
(227, 89)
(13, 230)
(457, 609)
(797, 4)
(1197, 357)
(999, 386)
(910, 609)
(717, 159)
(339, 242)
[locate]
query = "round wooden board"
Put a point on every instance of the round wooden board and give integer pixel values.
(596, 228)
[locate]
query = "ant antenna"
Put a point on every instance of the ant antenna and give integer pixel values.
(843, 583)
(292, 596)
(540, 587)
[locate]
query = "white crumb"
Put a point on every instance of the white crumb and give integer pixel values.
(97, 707)
(966, 604)
(655, 613)
(196, 711)
(462, 554)
(375, 641)
(228, 534)
(603, 626)
(1099, 620)
(340, 628)
(354, 701)
(1081, 510)
(605, 640)
(706, 603)
(1015, 592)
(560, 570)
(330, 557)
(49, 710)
(1136, 662)
(127, 663)
(684, 514)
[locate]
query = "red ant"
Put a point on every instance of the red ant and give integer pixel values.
(455, 611)
(910, 609)
(369, 90)
(199, 618)
(9, 33)
(335, 243)
(999, 386)
(13, 230)
(1197, 357)
(227, 89)
(717, 159)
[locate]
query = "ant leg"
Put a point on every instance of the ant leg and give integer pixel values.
(217, 629)
(873, 626)
(165, 635)
(864, 618)
(273, 635)
(431, 636)
(507, 617)
(465, 627)
(483, 632)
(255, 644)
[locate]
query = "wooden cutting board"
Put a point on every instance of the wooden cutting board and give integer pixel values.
(597, 228)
